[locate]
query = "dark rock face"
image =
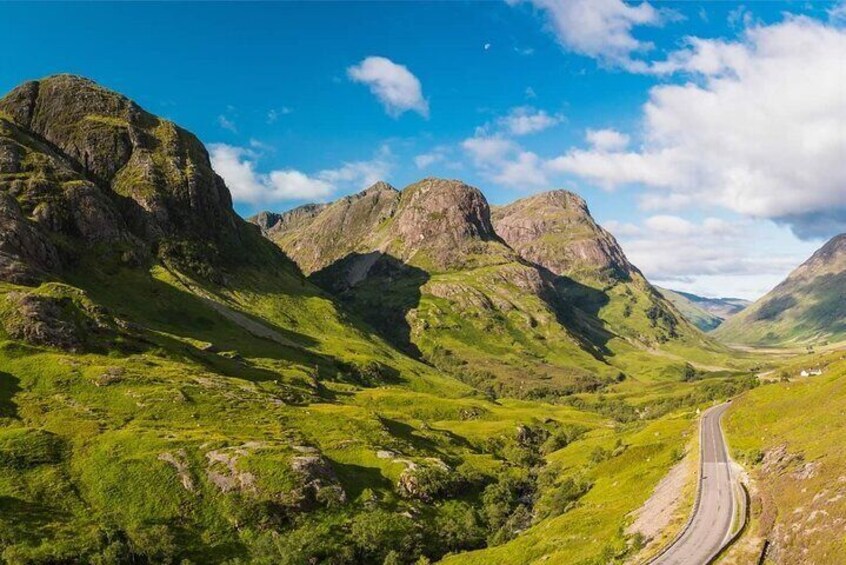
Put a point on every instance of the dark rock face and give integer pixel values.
(25, 253)
(91, 168)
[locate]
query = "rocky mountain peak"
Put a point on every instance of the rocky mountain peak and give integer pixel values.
(91, 164)
(379, 186)
(556, 230)
(433, 207)
(831, 257)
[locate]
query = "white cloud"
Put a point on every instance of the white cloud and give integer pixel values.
(607, 139)
(524, 171)
(226, 123)
(716, 256)
(525, 120)
(274, 114)
(601, 29)
(394, 85)
(760, 132)
(424, 160)
(237, 166)
(487, 150)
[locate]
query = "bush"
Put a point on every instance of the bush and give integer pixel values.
(374, 534)
(428, 482)
(458, 528)
(563, 436)
(561, 497)
(689, 373)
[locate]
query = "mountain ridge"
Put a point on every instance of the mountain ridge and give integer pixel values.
(807, 307)
(705, 313)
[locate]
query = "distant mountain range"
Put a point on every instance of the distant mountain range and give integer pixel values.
(705, 313)
(808, 307)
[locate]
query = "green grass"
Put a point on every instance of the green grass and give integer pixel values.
(88, 440)
(805, 418)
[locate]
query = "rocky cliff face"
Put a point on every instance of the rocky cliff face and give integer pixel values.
(809, 306)
(555, 230)
(87, 164)
(437, 224)
(317, 235)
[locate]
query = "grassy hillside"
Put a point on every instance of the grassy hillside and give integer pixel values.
(179, 432)
(785, 434)
(699, 317)
(806, 308)
(173, 395)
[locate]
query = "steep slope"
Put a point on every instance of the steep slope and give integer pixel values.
(427, 269)
(173, 390)
(168, 378)
(809, 306)
(556, 231)
(787, 436)
(704, 313)
(88, 167)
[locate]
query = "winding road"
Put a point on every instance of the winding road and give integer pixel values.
(710, 526)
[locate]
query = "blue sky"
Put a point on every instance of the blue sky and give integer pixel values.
(681, 123)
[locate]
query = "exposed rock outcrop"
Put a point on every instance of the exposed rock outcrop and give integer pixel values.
(89, 167)
(555, 230)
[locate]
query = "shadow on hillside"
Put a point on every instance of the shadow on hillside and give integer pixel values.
(9, 387)
(378, 288)
(408, 434)
(166, 312)
(828, 312)
(356, 478)
(577, 308)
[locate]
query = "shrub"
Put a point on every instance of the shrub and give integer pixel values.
(561, 497)
(458, 527)
(374, 534)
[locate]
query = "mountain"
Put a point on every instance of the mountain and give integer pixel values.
(171, 386)
(425, 267)
(556, 231)
(808, 307)
(527, 299)
(87, 168)
(705, 313)
(173, 389)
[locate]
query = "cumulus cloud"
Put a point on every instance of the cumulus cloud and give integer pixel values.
(759, 130)
(394, 85)
(436, 155)
(837, 13)
(523, 171)
(487, 150)
(607, 139)
(715, 255)
(525, 120)
(601, 29)
(237, 166)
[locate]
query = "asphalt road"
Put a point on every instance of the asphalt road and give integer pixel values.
(709, 528)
